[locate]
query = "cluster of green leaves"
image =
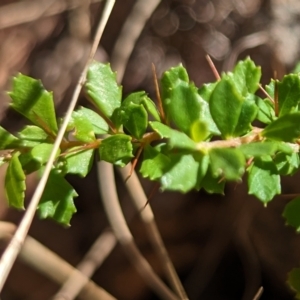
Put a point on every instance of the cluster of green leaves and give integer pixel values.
(196, 138)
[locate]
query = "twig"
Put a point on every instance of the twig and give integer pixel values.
(51, 265)
(86, 268)
(139, 198)
(23, 12)
(114, 213)
(15, 245)
(130, 32)
(259, 293)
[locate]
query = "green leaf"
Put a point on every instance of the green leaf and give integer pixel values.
(225, 107)
(134, 118)
(270, 88)
(246, 76)
(116, 149)
(29, 164)
(142, 99)
(57, 200)
(98, 123)
(175, 138)
(103, 89)
(206, 119)
(248, 114)
(206, 90)
(83, 128)
(294, 281)
(291, 213)
(79, 163)
(211, 184)
(199, 131)
(266, 113)
(7, 140)
(32, 136)
(285, 128)
(182, 103)
(263, 179)
(227, 163)
(258, 149)
(42, 152)
(287, 164)
(15, 183)
(35, 103)
(182, 174)
(154, 163)
(288, 94)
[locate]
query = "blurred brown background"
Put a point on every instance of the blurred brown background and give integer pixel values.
(223, 247)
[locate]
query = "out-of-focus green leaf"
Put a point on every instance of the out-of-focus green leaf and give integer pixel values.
(263, 179)
(287, 164)
(258, 149)
(211, 184)
(285, 128)
(288, 94)
(176, 139)
(15, 182)
(227, 163)
(35, 103)
(57, 200)
(116, 149)
(102, 88)
(7, 140)
(294, 281)
(291, 213)
(79, 163)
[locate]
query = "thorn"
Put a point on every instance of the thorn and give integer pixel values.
(266, 93)
(276, 95)
(213, 67)
(221, 179)
(158, 97)
(134, 162)
(152, 193)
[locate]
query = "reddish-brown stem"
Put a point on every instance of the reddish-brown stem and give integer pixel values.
(158, 97)
(134, 162)
(266, 93)
(276, 108)
(213, 67)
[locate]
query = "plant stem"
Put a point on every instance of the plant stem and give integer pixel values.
(116, 218)
(10, 254)
(139, 198)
